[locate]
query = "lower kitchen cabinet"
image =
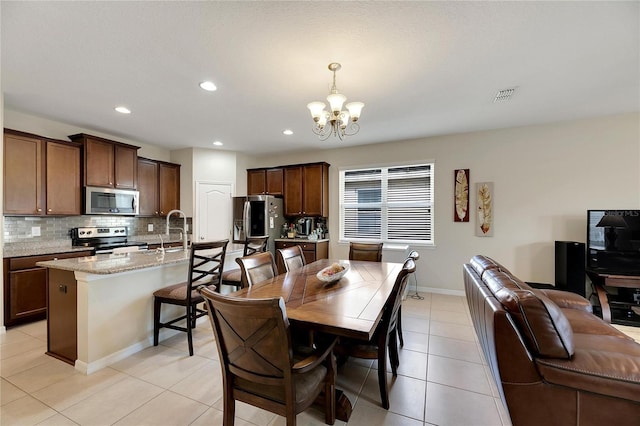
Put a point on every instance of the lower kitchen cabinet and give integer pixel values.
(25, 287)
(312, 250)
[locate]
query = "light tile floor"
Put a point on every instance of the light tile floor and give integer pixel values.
(442, 380)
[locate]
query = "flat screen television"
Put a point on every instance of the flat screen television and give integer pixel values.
(613, 241)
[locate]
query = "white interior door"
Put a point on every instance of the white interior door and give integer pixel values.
(213, 211)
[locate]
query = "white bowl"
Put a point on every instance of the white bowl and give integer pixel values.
(335, 277)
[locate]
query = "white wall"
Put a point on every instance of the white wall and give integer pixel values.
(56, 130)
(202, 165)
(545, 178)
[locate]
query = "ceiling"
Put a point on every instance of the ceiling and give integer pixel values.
(421, 68)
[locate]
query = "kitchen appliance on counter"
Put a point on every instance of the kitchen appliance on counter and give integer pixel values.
(104, 239)
(257, 216)
(111, 201)
(304, 227)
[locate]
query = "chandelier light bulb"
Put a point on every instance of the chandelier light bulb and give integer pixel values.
(335, 101)
(355, 109)
(344, 119)
(316, 108)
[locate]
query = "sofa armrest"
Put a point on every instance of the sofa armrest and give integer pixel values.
(567, 300)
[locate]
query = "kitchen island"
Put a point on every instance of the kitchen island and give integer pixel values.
(100, 308)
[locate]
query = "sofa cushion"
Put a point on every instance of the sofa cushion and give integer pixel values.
(484, 263)
(597, 367)
(566, 299)
(543, 325)
(585, 323)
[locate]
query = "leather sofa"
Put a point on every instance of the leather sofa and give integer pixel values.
(554, 362)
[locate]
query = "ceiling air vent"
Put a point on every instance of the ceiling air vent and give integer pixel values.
(504, 94)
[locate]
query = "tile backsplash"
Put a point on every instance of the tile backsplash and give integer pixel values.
(20, 228)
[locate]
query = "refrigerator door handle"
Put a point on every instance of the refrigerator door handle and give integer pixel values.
(245, 219)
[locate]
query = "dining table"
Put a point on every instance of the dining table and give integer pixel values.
(351, 306)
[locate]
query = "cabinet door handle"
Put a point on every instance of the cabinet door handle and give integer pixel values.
(62, 288)
(48, 210)
(39, 210)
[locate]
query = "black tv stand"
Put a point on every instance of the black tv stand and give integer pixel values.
(603, 280)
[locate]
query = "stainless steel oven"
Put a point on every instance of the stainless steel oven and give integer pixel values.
(111, 201)
(104, 239)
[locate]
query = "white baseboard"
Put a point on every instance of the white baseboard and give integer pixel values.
(92, 367)
(3, 330)
(441, 291)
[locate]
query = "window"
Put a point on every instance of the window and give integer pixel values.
(387, 204)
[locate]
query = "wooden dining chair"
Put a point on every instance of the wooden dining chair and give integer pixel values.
(414, 255)
(205, 270)
(365, 251)
(384, 338)
(257, 267)
(233, 277)
(290, 258)
(259, 365)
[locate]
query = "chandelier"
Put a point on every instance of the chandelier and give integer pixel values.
(340, 123)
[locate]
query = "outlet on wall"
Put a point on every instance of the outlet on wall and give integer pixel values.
(150, 227)
(35, 231)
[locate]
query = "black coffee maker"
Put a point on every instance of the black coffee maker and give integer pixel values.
(304, 226)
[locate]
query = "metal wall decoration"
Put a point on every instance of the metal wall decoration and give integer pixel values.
(484, 209)
(461, 195)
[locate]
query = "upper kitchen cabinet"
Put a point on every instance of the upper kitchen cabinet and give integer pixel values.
(169, 187)
(108, 163)
(41, 176)
(159, 187)
(306, 190)
(265, 181)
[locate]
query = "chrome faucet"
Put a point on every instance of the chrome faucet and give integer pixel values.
(183, 230)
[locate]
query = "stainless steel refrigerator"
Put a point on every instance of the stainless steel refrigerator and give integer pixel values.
(257, 216)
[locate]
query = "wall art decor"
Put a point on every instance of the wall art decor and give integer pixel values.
(461, 195)
(484, 209)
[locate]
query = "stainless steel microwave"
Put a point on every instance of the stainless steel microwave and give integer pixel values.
(111, 201)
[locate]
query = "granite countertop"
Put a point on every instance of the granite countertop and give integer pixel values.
(115, 263)
(30, 249)
(64, 246)
(301, 240)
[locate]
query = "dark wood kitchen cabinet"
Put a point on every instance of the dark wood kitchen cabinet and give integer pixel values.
(306, 190)
(265, 181)
(148, 187)
(169, 187)
(25, 287)
(41, 176)
(312, 251)
(108, 163)
(159, 186)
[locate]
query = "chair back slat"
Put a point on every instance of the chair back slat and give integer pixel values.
(255, 245)
(365, 251)
(205, 264)
(290, 259)
(256, 268)
(390, 314)
(253, 337)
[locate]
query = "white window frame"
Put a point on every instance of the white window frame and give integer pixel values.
(384, 203)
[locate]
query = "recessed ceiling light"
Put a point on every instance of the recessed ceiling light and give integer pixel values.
(123, 110)
(288, 132)
(208, 86)
(218, 143)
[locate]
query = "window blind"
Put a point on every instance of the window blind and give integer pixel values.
(387, 204)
